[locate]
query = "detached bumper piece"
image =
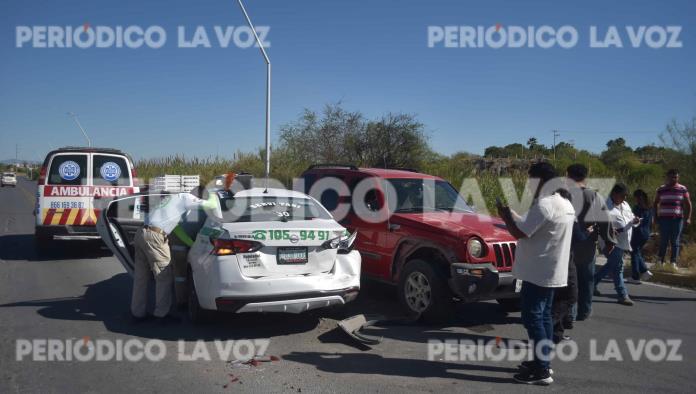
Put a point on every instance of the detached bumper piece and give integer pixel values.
(290, 303)
(352, 327)
(473, 282)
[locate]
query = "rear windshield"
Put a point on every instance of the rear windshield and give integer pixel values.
(270, 209)
(68, 170)
(110, 171)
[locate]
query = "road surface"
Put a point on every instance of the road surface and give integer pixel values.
(81, 293)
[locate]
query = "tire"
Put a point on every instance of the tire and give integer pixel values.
(424, 292)
(510, 304)
(196, 313)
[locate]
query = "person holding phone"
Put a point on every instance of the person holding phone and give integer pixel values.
(623, 221)
(542, 258)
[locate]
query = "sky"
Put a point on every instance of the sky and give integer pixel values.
(372, 56)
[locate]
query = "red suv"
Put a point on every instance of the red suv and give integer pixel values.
(416, 231)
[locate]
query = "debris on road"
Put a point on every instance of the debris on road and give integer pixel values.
(354, 324)
(252, 362)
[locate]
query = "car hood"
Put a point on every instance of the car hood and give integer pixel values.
(455, 224)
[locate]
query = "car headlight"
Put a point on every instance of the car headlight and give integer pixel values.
(474, 247)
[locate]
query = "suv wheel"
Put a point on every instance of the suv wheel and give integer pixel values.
(195, 313)
(424, 292)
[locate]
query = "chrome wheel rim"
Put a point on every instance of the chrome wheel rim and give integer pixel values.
(418, 292)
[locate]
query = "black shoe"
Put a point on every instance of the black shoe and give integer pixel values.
(169, 319)
(583, 317)
(542, 377)
(528, 366)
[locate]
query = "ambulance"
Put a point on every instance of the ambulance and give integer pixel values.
(70, 179)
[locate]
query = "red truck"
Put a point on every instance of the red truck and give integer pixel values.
(420, 235)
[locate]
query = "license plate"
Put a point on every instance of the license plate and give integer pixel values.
(296, 255)
(518, 285)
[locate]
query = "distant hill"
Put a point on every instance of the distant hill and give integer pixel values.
(19, 162)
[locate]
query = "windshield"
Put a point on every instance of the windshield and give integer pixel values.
(9, 174)
(270, 209)
(418, 195)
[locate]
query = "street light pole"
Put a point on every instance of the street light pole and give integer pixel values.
(72, 115)
(555, 134)
(268, 91)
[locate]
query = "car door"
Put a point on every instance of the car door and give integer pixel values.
(371, 230)
(64, 199)
(110, 176)
(120, 219)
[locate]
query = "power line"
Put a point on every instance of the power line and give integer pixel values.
(613, 132)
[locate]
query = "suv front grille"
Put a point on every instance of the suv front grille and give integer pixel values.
(504, 254)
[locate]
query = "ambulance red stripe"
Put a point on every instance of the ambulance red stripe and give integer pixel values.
(64, 217)
(49, 216)
(78, 218)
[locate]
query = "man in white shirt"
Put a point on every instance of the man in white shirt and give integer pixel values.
(542, 257)
(152, 253)
(623, 221)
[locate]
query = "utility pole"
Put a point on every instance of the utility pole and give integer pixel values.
(268, 91)
(555, 134)
(72, 115)
(575, 151)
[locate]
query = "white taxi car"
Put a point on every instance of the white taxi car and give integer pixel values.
(264, 250)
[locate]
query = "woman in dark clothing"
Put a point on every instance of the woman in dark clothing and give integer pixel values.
(641, 234)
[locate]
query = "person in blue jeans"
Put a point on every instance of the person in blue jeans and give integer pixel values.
(672, 208)
(641, 235)
(591, 211)
(542, 259)
(623, 221)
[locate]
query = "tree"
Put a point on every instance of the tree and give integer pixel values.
(681, 136)
(532, 143)
(340, 136)
(618, 143)
(396, 140)
(515, 150)
(331, 137)
(494, 152)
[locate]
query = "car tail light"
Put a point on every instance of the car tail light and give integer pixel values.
(134, 177)
(225, 247)
(42, 176)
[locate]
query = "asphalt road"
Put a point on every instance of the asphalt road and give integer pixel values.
(82, 291)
